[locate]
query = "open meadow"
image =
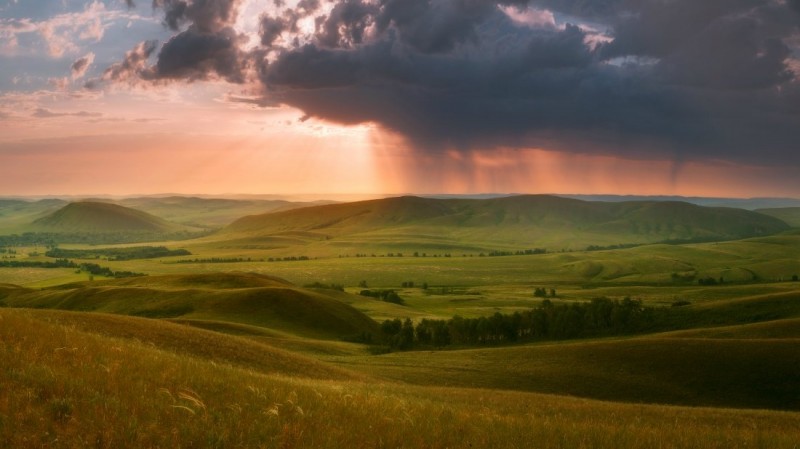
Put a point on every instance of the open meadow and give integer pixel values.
(216, 341)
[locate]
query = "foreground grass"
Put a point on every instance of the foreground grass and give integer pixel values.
(65, 387)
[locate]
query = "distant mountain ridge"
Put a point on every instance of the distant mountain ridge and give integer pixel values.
(514, 220)
(99, 217)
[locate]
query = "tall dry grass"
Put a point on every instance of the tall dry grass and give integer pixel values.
(61, 387)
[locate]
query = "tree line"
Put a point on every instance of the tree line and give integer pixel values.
(130, 253)
(599, 317)
(50, 239)
(91, 268)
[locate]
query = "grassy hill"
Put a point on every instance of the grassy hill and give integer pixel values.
(510, 222)
(742, 373)
(235, 297)
(16, 215)
(790, 215)
(207, 212)
(98, 217)
(75, 380)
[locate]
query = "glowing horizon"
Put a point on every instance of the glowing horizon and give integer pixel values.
(107, 99)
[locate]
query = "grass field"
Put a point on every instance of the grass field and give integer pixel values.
(71, 388)
(233, 351)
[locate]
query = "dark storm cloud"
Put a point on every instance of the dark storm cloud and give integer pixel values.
(433, 27)
(194, 55)
(692, 79)
(458, 74)
(207, 16)
(346, 24)
(207, 47)
(270, 28)
(714, 43)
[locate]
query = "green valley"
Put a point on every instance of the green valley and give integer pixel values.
(410, 322)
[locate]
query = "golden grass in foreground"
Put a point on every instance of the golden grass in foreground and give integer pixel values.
(64, 387)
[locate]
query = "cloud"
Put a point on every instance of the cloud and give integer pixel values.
(207, 16)
(46, 113)
(81, 65)
(193, 55)
(719, 43)
(10, 29)
(130, 70)
(682, 79)
(61, 34)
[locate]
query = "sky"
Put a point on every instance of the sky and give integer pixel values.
(643, 97)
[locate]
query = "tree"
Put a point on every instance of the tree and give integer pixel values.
(405, 339)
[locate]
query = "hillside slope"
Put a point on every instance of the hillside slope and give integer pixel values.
(233, 297)
(99, 217)
(790, 215)
(521, 221)
(68, 386)
(207, 212)
(16, 215)
(742, 373)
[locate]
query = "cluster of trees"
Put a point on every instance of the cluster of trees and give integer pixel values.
(607, 247)
(28, 239)
(97, 270)
(601, 316)
(91, 268)
(522, 252)
(337, 287)
(51, 239)
(416, 254)
(287, 259)
(708, 280)
(217, 260)
(541, 292)
(411, 284)
(58, 263)
(130, 253)
(383, 295)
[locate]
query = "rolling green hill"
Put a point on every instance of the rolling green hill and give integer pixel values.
(790, 215)
(207, 212)
(509, 222)
(98, 217)
(235, 297)
(16, 215)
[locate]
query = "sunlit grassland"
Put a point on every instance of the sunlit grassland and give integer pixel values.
(476, 286)
(236, 298)
(768, 258)
(66, 387)
(785, 328)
